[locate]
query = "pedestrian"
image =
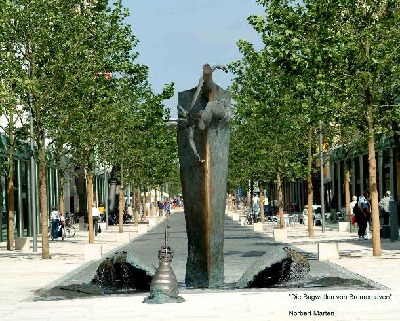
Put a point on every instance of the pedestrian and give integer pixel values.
(256, 210)
(95, 218)
(266, 206)
(256, 199)
(55, 219)
(363, 212)
(102, 210)
(168, 208)
(130, 212)
(352, 204)
(384, 205)
(256, 207)
(160, 208)
(62, 223)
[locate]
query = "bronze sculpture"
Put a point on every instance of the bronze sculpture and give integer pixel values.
(203, 148)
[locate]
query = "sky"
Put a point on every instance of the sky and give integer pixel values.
(177, 37)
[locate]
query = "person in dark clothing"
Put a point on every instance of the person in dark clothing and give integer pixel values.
(361, 221)
(362, 212)
(160, 208)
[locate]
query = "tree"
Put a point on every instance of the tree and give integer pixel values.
(135, 133)
(264, 119)
(63, 49)
(14, 116)
(368, 32)
(273, 90)
(334, 55)
(37, 34)
(108, 84)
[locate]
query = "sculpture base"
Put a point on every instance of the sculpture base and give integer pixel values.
(162, 298)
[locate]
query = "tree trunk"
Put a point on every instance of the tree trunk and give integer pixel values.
(234, 202)
(61, 200)
(121, 201)
(10, 191)
(347, 188)
(137, 202)
(41, 145)
(89, 193)
(280, 200)
(261, 204)
(144, 205)
(153, 205)
(310, 186)
(376, 239)
(43, 198)
(368, 95)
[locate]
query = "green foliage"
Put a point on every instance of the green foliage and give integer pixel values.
(62, 53)
(321, 61)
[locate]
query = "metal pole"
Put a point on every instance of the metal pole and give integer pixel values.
(33, 179)
(321, 158)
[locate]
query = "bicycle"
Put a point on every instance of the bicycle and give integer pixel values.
(251, 216)
(69, 230)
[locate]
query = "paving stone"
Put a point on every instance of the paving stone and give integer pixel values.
(24, 272)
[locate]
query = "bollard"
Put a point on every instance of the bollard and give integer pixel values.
(393, 220)
(344, 226)
(258, 227)
(22, 243)
(280, 235)
(328, 251)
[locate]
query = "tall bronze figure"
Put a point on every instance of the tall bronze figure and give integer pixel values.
(203, 147)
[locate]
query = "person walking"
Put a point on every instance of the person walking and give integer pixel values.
(102, 210)
(168, 208)
(384, 205)
(55, 219)
(266, 206)
(95, 218)
(363, 211)
(62, 223)
(147, 207)
(160, 208)
(352, 204)
(129, 210)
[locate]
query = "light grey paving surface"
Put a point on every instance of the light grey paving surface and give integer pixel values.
(22, 273)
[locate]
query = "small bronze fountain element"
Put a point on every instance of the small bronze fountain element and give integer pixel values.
(164, 286)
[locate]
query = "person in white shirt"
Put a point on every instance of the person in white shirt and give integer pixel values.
(256, 199)
(352, 203)
(384, 205)
(352, 215)
(55, 218)
(95, 218)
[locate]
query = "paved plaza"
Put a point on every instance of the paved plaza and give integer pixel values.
(26, 278)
